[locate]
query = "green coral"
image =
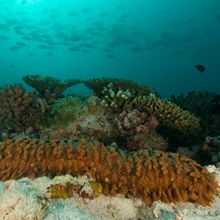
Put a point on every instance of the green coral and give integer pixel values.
(64, 111)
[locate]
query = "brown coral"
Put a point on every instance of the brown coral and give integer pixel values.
(151, 175)
(166, 112)
(63, 191)
(49, 87)
(20, 110)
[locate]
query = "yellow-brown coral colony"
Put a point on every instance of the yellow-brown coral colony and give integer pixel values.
(151, 175)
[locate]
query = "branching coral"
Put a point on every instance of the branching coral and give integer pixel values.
(117, 101)
(151, 175)
(20, 110)
(49, 87)
(205, 106)
(117, 84)
(167, 112)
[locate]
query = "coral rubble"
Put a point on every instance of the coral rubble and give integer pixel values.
(151, 175)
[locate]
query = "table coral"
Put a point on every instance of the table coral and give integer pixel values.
(49, 87)
(151, 175)
(117, 84)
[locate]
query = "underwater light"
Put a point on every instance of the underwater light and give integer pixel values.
(27, 1)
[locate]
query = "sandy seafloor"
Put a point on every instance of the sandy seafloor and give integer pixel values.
(24, 199)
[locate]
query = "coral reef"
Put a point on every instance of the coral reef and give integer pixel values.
(74, 117)
(120, 117)
(164, 111)
(136, 118)
(205, 106)
(117, 84)
(48, 87)
(20, 111)
(151, 175)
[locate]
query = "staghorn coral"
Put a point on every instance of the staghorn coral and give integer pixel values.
(20, 110)
(151, 175)
(117, 84)
(48, 87)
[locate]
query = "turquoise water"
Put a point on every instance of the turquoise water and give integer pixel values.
(155, 42)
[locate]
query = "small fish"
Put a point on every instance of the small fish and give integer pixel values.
(200, 68)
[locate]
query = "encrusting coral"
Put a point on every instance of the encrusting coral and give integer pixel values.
(151, 175)
(48, 87)
(69, 190)
(64, 111)
(137, 130)
(20, 110)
